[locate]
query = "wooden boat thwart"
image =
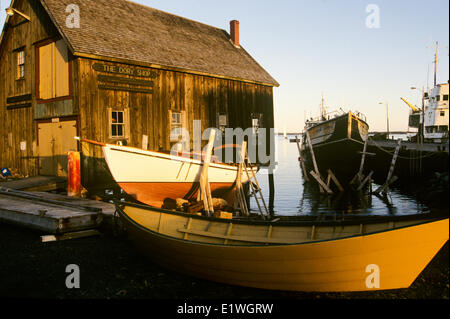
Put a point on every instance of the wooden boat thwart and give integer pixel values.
(303, 256)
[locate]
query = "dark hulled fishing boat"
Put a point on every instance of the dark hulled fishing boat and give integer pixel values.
(337, 141)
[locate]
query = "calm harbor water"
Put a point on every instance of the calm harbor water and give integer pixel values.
(294, 197)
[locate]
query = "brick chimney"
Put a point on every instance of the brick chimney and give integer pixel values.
(234, 32)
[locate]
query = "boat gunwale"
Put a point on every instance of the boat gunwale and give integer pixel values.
(268, 223)
(330, 136)
(337, 118)
(138, 151)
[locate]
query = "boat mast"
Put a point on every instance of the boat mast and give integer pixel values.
(422, 124)
(322, 108)
(435, 63)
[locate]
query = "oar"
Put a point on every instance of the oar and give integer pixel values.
(89, 141)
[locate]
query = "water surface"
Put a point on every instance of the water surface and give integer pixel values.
(295, 197)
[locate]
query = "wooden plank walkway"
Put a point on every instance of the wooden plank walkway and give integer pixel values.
(49, 216)
(36, 183)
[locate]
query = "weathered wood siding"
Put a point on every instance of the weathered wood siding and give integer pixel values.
(200, 97)
(17, 118)
(93, 91)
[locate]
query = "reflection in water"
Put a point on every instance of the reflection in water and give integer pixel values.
(294, 197)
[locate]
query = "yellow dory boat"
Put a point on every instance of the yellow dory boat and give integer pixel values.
(299, 256)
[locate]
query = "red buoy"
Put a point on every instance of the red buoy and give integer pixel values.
(74, 175)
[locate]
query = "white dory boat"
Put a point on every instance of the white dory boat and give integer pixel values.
(151, 177)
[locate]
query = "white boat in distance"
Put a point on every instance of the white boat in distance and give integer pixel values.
(152, 177)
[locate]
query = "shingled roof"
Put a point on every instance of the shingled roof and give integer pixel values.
(125, 30)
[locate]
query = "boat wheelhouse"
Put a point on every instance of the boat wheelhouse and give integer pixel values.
(436, 114)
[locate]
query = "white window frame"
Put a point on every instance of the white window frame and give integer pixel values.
(256, 122)
(125, 123)
(222, 121)
(179, 123)
(21, 64)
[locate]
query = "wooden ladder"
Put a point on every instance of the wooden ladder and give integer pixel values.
(254, 185)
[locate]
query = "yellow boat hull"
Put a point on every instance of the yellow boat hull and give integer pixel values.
(389, 259)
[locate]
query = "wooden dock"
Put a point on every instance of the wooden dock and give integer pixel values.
(410, 146)
(416, 161)
(36, 183)
(53, 213)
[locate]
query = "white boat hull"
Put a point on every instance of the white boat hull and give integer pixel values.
(152, 177)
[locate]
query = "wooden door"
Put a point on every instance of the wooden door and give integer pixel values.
(47, 160)
(55, 141)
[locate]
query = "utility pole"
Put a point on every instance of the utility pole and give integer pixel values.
(387, 117)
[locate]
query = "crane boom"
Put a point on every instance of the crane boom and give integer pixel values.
(415, 109)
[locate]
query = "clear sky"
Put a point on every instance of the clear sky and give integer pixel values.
(315, 46)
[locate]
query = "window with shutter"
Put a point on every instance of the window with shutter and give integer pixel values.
(61, 59)
(45, 72)
(54, 77)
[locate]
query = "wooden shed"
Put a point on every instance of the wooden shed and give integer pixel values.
(115, 71)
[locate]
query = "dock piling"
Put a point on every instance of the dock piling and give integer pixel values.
(271, 192)
(73, 174)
